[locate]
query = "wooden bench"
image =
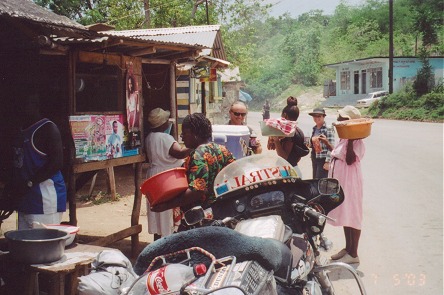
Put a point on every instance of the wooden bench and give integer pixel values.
(57, 278)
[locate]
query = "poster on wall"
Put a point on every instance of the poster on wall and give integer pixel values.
(114, 136)
(88, 133)
(132, 100)
(132, 111)
(100, 137)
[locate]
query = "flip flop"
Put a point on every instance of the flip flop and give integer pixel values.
(339, 255)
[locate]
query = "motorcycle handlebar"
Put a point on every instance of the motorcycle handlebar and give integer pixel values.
(309, 212)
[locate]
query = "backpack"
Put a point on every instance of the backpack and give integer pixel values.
(299, 149)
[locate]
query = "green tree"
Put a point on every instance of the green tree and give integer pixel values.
(428, 19)
(424, 77)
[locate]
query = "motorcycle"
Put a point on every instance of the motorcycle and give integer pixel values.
(260, 234)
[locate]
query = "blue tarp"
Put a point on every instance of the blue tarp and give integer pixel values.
(245, 97)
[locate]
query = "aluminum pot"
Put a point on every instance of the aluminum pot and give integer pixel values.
(35, 246)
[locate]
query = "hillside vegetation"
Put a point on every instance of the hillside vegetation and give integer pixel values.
(293, 51)
(276, 53)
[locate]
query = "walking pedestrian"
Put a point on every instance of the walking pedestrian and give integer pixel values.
(346, 167)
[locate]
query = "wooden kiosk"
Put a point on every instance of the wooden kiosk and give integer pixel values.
(79, 72)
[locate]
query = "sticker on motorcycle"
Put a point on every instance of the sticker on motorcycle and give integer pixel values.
(255, 177)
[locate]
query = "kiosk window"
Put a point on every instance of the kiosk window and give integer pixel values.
(98, 88)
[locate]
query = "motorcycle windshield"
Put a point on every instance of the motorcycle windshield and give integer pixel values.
(252, 170)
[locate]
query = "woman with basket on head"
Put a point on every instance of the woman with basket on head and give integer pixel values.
(346, 167)
(163, 153)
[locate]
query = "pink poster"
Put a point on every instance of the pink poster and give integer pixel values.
(88, 133)
(99, 137)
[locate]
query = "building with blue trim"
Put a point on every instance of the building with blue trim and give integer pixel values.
(355, 79)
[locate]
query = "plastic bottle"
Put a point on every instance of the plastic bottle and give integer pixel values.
(168, 278)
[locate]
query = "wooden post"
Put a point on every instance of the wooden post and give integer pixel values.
(136, 208)
(72, 199)
(111, 182)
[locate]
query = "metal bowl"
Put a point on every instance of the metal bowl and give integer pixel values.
(35, 246)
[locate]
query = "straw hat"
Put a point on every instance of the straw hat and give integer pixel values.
(350, 112)
(157, 117)
(318, 111)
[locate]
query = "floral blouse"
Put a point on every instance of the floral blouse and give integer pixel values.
(203, 164)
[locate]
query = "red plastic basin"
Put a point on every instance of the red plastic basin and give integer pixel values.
(165, 186)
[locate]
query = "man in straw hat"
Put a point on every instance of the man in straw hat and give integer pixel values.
(163, 153)
(322, 142)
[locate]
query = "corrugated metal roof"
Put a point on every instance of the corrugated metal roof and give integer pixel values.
(65, 31)
(205, 39)
(25, 9)
(165, 31)
(202, 36)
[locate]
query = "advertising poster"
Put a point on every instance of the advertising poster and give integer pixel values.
(99, 137)
(89, 136)
(132, 101)
(114, 136)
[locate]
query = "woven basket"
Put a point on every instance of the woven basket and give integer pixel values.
(354, 129)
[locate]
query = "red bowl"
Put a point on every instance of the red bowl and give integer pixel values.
(165, 186)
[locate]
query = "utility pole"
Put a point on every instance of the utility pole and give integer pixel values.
(391, 46)
(206, 8)
(146, 7)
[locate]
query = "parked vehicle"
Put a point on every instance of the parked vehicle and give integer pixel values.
(373, 96)
(261, 234)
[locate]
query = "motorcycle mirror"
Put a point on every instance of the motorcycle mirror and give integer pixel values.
(328, 186)
(194, 215)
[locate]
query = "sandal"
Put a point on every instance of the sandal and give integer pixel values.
(348, 259)
(339, 255)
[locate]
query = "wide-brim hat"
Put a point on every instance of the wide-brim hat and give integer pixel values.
(318, 111)
(350, 112)
(157, 117)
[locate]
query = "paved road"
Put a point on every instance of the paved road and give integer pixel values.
(401, 246)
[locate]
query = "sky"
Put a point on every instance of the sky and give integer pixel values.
(297, 7)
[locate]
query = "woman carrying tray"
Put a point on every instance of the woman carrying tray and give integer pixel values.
(346, 167)
(292, 148)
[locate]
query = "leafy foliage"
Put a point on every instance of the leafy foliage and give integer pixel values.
(405, 105)
(424, 77)
(273, 53)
